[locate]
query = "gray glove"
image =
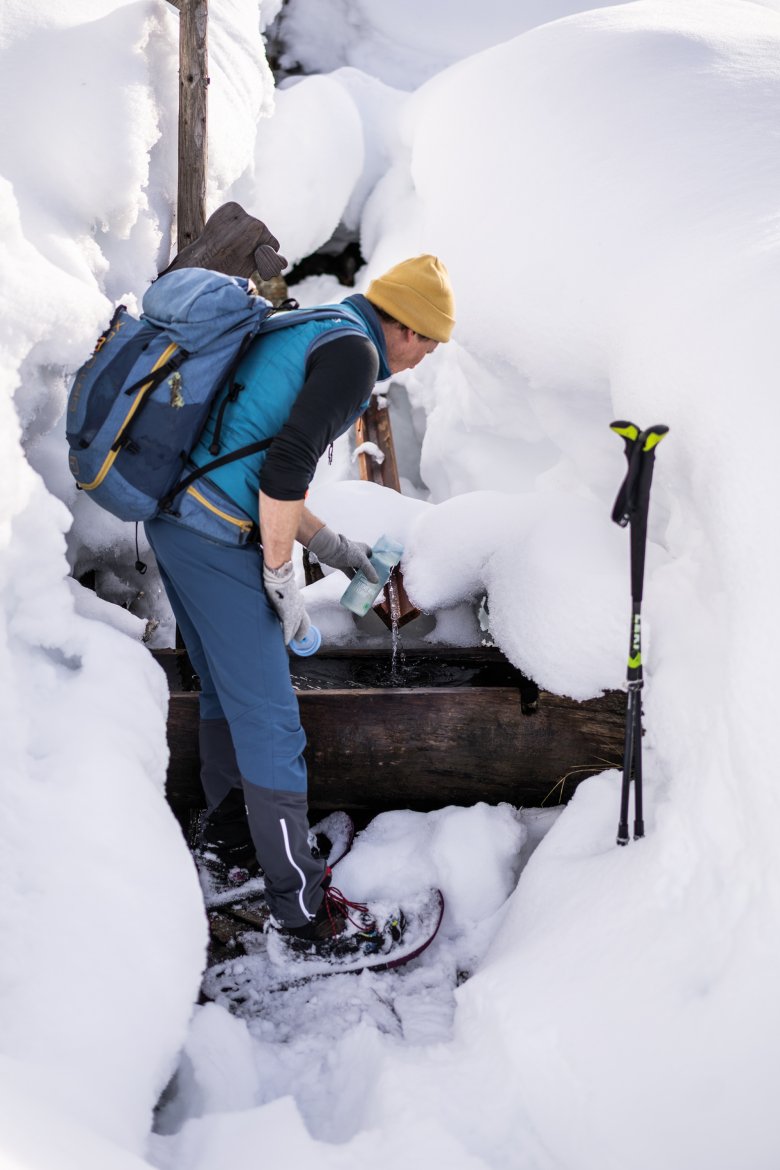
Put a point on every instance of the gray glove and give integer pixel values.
(334, 550)
(285, 597)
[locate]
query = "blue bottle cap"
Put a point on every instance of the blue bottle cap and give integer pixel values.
(307, 645)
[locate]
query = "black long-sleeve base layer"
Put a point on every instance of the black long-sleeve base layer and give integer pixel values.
(340, 376)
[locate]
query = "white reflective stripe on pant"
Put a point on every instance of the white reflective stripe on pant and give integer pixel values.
(300, 871)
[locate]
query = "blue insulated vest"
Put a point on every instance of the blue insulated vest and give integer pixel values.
(273, 373)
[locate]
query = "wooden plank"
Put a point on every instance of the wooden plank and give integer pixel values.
(427, 747)
(193, 120)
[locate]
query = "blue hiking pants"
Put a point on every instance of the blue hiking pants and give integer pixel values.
(234, 640)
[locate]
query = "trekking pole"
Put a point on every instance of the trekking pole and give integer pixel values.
(631, 508)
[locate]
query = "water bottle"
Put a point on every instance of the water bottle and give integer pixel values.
(308, 644)
(361, 593)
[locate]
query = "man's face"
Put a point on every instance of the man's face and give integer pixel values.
(405, 348)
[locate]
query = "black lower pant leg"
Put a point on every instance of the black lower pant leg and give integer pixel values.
(279, 825)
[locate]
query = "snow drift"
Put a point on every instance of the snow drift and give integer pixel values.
(605, 192)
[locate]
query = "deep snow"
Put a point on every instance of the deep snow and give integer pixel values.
(604, 190)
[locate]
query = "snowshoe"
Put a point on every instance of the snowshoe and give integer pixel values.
(376, 937)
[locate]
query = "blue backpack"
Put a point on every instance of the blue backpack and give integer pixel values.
(136, 408)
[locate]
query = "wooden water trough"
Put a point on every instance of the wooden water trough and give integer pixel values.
(451, 726)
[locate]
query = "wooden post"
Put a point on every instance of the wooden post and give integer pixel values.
(193, 120)
(373, 426)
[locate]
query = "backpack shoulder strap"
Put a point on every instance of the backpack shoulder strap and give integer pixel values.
(284, 318)
(270, 324)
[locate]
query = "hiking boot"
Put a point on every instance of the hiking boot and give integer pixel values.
(338, 927)
(224, 851)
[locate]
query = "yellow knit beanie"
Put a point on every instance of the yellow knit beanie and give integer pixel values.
(417, 293)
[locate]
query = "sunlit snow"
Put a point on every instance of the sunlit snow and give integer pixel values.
(605, 191)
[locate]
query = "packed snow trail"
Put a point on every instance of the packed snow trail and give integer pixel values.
(319, 1040)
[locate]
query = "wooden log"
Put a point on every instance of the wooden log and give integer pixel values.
(193, 120)
(235, 243)
(428, 748)
(424, 748)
